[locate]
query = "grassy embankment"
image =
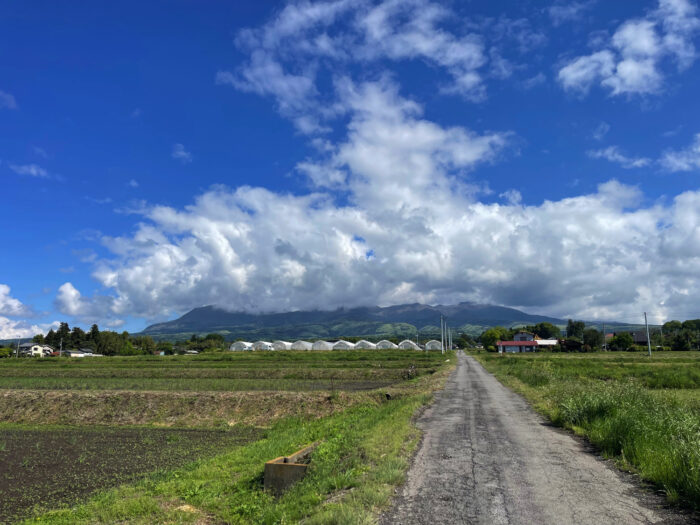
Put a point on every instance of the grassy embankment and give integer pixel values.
(644, 412)
(366, 437)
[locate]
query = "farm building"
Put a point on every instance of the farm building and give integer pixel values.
(386, 345)
(240, 346)
(343, 345)
(516, 346)
(407, 344)
(547, 342)
(281, 345)
(301, 345)
(322, 345)
(365, 345)
(433, 344)
(262, 345)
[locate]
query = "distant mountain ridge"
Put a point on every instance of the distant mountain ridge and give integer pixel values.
(374, 321)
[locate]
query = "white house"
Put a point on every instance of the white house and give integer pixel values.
(343, 345)
(241, 346)
(322, 345)
(262, 345)
(407, 344)
(35, 350)
(524, 336)
(386, 345)
(433, 344)
(301, 345)
(365, 345)
(281, 345)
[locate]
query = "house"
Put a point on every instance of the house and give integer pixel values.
(301, 345)
(511, 347)
(365, 345)
(524, 336)
(386, 345)
(35, 350)
(262, 345)
(433, 344)
(80, 352)
(407, 344)
(241, 346)
(281, 345)
(343, 345)
(322, 345)
(547, 342)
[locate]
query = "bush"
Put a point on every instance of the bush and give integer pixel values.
(5, 352)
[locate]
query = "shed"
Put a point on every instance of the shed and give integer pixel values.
(407, 344)
(281, 345)
(365, 345)
(301, 345)
(322, 345)
(386, 345)
(240, 346)
(344, 345)
(433, 344)
(262, 345)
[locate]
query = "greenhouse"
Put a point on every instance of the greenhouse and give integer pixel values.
(301, 345)
(386, 345)
(433, 345)
(281, 345)
(240, 346)
(343, 345)
(365, 345)
(262, 345)
(322, 345)
(407, 344)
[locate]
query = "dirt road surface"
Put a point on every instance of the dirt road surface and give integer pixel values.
(488, 458)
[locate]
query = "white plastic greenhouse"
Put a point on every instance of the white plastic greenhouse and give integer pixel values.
(433, 345)
(262, 345)
(281, 345)
(301, 345)
(343, 345)
(386, 345)
(322, 345)
(407, 344)
(240, 346)
(365, 345)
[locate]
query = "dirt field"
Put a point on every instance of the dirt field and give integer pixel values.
(53, 467)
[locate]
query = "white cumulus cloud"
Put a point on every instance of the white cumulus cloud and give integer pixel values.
(633, 58)
(687, 159)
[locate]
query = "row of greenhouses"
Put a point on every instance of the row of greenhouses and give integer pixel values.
(406, 344)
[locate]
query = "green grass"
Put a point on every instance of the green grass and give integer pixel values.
(644, 412)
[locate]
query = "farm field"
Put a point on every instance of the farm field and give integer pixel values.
(642, 411)
(148, 426)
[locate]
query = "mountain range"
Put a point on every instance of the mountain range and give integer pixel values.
(376, 321)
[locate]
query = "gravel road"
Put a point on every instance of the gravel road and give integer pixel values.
(488, 458)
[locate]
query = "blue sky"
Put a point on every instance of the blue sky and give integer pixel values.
(265, 156)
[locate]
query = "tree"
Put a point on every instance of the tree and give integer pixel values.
(546, 331)
(574, 329)
(680, 342)
(5, 351)
(38, 338)
(52, 339)
(672, 326)
(593, 338)
(94, 335)
(490, 336)
(63, 333)
(77, 337)
(166, 347)
(622, 341)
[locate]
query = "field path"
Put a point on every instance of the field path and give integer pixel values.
(488, 458)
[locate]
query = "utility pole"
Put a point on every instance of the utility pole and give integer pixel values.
(17, 349)
(647, 327)
(442, 334)
(60, 348)
(605, 340)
